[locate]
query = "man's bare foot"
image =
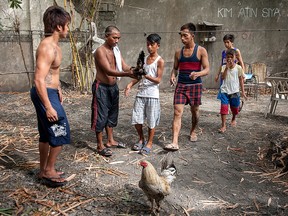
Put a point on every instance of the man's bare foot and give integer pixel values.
(222, 130)
(233, 123)
(171, 147)
(58, 174)
(193, 137)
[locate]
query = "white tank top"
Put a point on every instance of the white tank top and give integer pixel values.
(146, 88)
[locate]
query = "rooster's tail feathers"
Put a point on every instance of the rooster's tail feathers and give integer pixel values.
(168, 169)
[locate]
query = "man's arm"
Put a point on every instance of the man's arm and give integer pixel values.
(224, 70)
(102, 61)
(125, 66)
(160, 69)
(44, 59)
(241, 81)
(129, 86)
(174, 71)
(205, 64)
(240, 60)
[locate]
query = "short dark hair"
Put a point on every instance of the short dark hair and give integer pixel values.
(229, 37)
(154, 38)
(54, 16)
(190, 26)
(231, 52)
(109, 29)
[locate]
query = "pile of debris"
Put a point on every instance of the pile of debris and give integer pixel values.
(278, 152)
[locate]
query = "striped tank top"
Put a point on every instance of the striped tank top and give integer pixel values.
(188, 65)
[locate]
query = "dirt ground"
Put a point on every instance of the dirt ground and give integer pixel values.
(221, 174)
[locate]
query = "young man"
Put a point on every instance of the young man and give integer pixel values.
(233, 77)
(105, 103)
(46, 95)
(192, 63)
(228, 41)
(147, 104)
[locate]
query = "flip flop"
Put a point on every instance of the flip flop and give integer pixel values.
(119, 145)
(138, 146)
(106, 152)
(53, 184)
(171, 147)
(145, 151)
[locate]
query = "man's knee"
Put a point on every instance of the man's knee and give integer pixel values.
(178, 111)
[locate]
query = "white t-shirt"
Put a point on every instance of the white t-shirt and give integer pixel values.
(231, 84)
(146, 88)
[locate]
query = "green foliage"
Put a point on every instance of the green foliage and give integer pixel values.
(15, 4)
(6, 211)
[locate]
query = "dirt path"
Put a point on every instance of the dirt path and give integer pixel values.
(221, 174)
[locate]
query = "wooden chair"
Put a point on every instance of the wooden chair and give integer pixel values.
(279, 91)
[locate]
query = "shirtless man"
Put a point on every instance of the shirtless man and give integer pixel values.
(105, 102)
(46, 96)
(191, 61)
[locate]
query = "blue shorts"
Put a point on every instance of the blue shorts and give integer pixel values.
(233, 100)
(55, 133)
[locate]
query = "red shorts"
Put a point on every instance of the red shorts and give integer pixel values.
(188, 94)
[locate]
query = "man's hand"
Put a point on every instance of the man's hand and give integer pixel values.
(51, 114)
(244, 96)
(127, 89)
(193, 75)
(217, 78)
(173, 80)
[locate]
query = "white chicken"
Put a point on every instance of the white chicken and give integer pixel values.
(155, 186)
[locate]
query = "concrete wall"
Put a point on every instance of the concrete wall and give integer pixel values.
(260, 28)
(14, 76)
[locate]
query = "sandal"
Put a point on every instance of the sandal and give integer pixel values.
(138, 146)
(145, 151)
(50, 182)
(106, 152)
(171, 147)
(119, 145)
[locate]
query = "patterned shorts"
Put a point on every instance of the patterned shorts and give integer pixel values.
(233, 100)
(188, 94)
(146, 108)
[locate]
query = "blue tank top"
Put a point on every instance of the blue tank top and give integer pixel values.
(188, 65)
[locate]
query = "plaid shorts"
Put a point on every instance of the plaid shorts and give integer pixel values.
(188, 94)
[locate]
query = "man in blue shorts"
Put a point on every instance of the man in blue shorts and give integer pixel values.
(191, 62)
(46, 96)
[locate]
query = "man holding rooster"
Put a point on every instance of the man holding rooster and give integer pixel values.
(105, 103)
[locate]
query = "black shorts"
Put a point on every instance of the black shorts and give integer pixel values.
(105, 106)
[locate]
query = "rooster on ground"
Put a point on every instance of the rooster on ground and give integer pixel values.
(155, 186)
